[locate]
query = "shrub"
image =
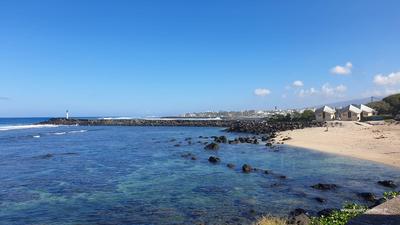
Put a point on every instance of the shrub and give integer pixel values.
(391, 194)
(394, 102)
(381, 106)
(269, 220)
(340, 217)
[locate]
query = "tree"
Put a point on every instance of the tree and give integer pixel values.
(381, 107)
(307, 115)
(394, 102)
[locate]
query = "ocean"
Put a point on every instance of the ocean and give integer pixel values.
(145, 175)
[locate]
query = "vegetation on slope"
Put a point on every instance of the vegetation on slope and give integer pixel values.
(388, 105)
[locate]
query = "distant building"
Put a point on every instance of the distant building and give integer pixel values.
(350, 113)
(366, 111)
(325, 113)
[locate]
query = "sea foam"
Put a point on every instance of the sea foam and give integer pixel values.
(20, 127)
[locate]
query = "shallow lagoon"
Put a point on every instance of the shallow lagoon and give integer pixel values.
(135, 175)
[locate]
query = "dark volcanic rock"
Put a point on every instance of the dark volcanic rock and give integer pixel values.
(230, 165)
(286, 138)
(367, 196)
(246, 168)
(221, 139)
(378, 202)
(212, 146)
(46, 156)
(324, 187)
(297, 212)
(326, 212)
(387, 183)
(320, 200)
(214, 159)
(256, 126)
(189, 155)
(301, 219)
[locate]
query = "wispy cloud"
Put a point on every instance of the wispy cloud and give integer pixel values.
(326, 90)
(262, 92)
(4, 98)
(342, 70)
(298, 83)
(307, 92)
(330, 91)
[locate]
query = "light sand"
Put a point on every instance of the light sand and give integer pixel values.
(378, 143)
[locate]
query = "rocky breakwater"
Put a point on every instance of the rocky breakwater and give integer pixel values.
(139, 122)
(263, 127)
(244, 126)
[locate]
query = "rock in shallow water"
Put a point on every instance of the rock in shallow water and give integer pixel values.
(387, 183)
(367, 196)
(326, 212)
(230, 165)
(212, 146)
(324, 187)
(214, 159)
(246, 168)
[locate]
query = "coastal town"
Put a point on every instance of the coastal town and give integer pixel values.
(350, 112)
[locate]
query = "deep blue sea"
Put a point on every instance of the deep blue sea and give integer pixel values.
(136, 175)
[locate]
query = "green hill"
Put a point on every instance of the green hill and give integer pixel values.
(388, 105)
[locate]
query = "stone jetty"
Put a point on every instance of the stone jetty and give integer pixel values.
(257, 126)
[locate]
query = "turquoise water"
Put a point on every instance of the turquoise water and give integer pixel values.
(136, 175)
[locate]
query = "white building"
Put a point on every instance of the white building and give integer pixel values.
(350, 113)
(325, 113)
(366, 111)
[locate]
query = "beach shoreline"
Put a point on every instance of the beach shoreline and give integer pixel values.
(377, 143)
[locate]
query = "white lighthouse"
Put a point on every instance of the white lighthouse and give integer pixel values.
(67, 115)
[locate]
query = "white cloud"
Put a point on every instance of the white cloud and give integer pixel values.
(342, 70)
(298, 83)
(307, 92)
(262, 92)
(389, 80)
(326, 90)
(330, 91)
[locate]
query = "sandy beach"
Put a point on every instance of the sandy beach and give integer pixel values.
(378, 142)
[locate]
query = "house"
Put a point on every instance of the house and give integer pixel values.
(350, 113)
(325, 113)
(366, 111)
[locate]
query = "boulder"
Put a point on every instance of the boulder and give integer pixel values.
(301, 219)
(214, 159)
(324, 187)
(246, 168)
(320, 200)
(326, 212)
(387, 183)
(378, 202)
(212, 146)
(297, 212)
(230, 165)
(367, 196)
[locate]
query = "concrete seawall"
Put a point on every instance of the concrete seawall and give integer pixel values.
(387, 213)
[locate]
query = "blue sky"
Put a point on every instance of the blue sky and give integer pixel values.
(135, 58)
